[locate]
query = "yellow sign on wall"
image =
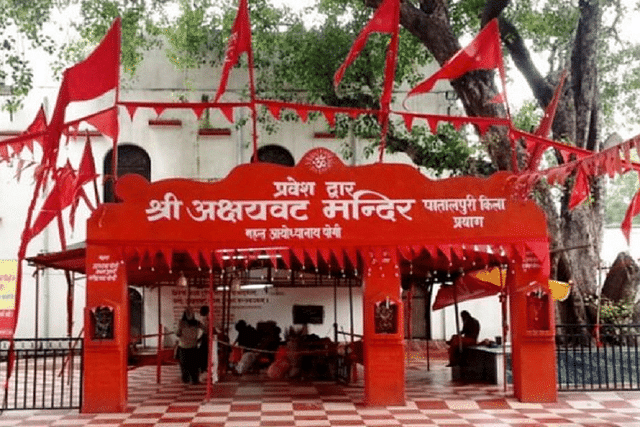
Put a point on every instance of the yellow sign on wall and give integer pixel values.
(8, 278)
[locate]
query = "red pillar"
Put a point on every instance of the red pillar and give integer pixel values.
(106, 336)
(533, 349)
(383, 340)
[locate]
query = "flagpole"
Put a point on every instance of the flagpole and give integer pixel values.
(389, 78)
(114, 151)
(254, 114)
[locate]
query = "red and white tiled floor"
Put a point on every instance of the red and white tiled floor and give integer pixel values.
(432, 399)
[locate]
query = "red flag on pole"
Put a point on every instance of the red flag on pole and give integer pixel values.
(96, 75)
(483, 53)
(239, 42)
(59, 198)
(632, 211)
(384, 20)
(544, 128)
(389, 72)
(99, 72)
(38, 125)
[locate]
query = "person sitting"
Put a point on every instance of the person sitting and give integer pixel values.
(247, 341)
(468, 337)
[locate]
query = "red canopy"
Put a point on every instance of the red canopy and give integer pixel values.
(473, 285)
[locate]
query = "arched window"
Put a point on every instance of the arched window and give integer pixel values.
(275, 154)
(131, 159)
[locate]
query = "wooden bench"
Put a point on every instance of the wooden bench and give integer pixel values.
(482, 364)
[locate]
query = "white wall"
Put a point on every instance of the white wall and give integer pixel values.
(255, 306)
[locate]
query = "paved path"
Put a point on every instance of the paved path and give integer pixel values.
(432, 400)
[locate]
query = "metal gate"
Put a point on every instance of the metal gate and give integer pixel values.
(586, 363)
(46, 374)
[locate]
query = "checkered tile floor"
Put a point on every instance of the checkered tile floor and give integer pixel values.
(432, 399)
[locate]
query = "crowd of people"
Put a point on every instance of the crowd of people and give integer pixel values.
(263, 348)
(297, 355)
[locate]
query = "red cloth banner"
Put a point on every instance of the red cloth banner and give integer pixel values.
(384, 20)
(239, 42)
(483, 53)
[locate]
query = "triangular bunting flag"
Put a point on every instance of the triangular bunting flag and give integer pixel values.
(580, 191)
(106, 123)
(227, 112)
(458, 252)
(632, 211)
(406, 253)
(330, 117)
(325, 253)
(352, 256)
(299, 254)
(408, 121)
(285, 256)
(433, 124)
(339, 256)
(194, 254)
(219, 257)
(206, 256)
(303, 113)
(131, 109)
(167, 253)
(446, 251)
(274, 109)
(198, 111)
(313, 256)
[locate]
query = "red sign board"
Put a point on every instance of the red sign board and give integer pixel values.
(319, 203)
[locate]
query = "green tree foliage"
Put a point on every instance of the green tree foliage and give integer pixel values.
(21, 28)
(296, 60)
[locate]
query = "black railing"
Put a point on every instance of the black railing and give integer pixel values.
(46, 374)
(604, 358)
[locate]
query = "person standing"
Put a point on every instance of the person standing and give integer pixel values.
(188, 332)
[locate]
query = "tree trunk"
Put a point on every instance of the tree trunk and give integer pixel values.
(576, 234)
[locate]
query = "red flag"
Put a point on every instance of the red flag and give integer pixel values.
(87, 167)
(483, 53)
(99, 72)
(61, 196)
(632, 211)
(39, 125)
(544, 128)
(239, 42)
(106, 122)
(89, 79)
(384, 20)
(580, 189)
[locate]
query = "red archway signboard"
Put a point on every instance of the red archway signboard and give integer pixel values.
(321, 213)
(321, 204)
